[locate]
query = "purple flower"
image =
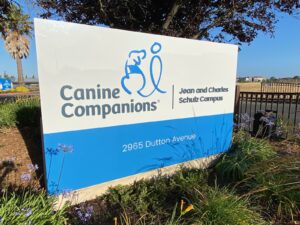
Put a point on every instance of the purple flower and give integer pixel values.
(245, 118)
(25, 177)
(67, 193)
(27, 211)
(52, 151)
(65, 148)
(245, 121)
(85, 215)
(32, 167)
(90, 210)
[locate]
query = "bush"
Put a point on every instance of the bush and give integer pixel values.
(157, 195)
(23, 112)
(19, 89)
(29, 208)
(211, 206)
(152, 200)
(245, 151)
(183, 198)
(222, 207)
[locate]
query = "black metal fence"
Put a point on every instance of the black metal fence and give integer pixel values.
(280, 87)
(285, 106)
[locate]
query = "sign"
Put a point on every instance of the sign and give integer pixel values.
(118, 103)
(5, 84)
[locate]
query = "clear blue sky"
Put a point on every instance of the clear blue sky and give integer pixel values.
(278, 56)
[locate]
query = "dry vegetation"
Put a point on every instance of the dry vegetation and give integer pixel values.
(250, 86)
(256, 87)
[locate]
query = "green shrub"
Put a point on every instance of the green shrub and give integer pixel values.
(245, 151)
(212, 206)
(29, 208)
(23, 112)
(152, 200)
(275, 185)
(222, 207)
(158, 193)
(19, 89)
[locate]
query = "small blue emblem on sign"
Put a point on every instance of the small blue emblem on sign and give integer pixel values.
(132, 68)
(5, 84)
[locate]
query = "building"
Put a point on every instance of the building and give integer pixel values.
(258, 79)
(244, 79)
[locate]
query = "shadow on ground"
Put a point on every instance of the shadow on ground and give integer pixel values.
(28, 123)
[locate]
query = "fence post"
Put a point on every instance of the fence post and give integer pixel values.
(237, 102)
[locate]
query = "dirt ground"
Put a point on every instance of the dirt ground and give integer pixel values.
(21, 159)
(286, 147)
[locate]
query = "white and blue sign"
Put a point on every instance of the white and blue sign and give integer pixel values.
(5, 84)
(119, 103)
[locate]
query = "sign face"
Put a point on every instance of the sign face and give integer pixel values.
(5, 84)
(119, 103)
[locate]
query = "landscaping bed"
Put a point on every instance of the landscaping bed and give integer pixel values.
(256, 182)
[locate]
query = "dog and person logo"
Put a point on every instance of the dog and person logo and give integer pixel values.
(140, 79)
(132, 68)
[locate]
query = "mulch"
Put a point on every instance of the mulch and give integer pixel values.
(19, 150)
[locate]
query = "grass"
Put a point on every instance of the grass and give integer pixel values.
(22, 113)
(28, 207)
(245, 152)
(275, 185)
(222, 207)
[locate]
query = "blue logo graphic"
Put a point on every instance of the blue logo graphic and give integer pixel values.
(132, 68)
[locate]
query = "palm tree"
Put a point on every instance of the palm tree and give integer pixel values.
(17, 29)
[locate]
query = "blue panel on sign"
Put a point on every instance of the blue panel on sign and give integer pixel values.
(5, 84)
(106, 154)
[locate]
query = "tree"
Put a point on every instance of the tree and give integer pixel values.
(4, 9)
(6, 76)
(296, 77)
(16, 29)
(215, 20)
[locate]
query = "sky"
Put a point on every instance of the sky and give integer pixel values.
(277, 56)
